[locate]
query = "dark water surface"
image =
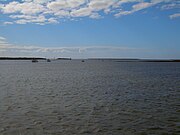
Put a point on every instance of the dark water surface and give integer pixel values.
(90, 98)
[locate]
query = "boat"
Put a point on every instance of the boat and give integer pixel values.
(34, 60)
(48, 60)
(82, 61)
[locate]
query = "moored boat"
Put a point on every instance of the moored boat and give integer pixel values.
(48, 60)
(34, 60)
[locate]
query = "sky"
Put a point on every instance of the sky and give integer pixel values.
(90, 28)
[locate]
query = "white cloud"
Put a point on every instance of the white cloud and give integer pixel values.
(3, 42)
(65, 4)
(142, 5)
(52, 20)
(95, 16)
(51, 11)
(2, 39)
(171, 6)
(7, 23)
(139, 6)
(23, 8)
(98, 5)
(177, 15)
(81, 12)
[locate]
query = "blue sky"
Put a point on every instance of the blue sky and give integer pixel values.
(90, 28)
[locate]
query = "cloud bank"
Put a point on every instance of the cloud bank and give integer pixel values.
(11, 50)
(53, 11)
(7, 49)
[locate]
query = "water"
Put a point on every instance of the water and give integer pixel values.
(89, 98)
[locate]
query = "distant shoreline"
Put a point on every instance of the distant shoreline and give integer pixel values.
(101, 59)
(138, 60)
(30, 58)
(21, 58)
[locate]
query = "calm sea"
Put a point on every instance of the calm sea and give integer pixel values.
(89, 98)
